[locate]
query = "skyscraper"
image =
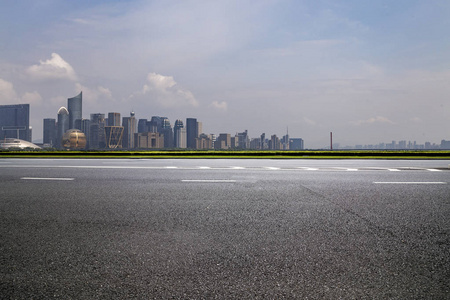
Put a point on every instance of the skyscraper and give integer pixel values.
(15, 121)
(179, 134)
(97, 131)
(191, 132)
(50, 132)
(74, 106)
(113, 119)
(63, 125)
(167, 131)
(142, 125)
(129, 129)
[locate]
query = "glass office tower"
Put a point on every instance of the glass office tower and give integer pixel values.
(74, 106)
(15, 121)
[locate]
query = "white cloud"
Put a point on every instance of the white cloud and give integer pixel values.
(219, 105)
(8, 95)
(32, 98)
(93, 94)
(7, 92)
(377, 119)
(164, 91)
(55, 68)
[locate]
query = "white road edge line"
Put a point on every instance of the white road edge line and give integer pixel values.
(207, 180)
(410, 182)
(47, 178)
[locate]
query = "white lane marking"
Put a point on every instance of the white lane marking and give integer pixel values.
(271, 168)
(394, 170)
(345, 169)
(47, 178)
(434, 170)
(308, 169)
(204, 167)
(410, 182)
(171, 167)
(237, 168)
(207, 180)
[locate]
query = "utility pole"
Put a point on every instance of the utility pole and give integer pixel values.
(331, 140)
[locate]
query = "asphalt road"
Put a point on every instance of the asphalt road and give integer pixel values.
(224, 229)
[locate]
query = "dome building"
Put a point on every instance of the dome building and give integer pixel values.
(17, 143)
(74, 139)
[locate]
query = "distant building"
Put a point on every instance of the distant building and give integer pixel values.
(113, 119)
(49, 133)
(203, 142)
(167, 132)
(243, 140)
(142, 126)
(16, 143)
(74, 107)
(255, 144)
(97, 138)
(148, 140)
(445, 144)
(296, 144)
(129, 129)
(179, 134)
(74, 139)
(15, 122)
(223, 141)
(274, 143)
(63, 125)
(191, 132)
(113, 136)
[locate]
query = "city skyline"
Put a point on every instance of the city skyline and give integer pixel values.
(368, 72)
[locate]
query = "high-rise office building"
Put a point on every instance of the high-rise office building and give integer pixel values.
(191, 132)
(63, 125)
(179, 134)
(113, 119)
(49, 132)
(243, 140)
(15, 122)
(74, 106)
(296, 144)
(142, 125)
(129, 129)
(166, 130)
(97, 131)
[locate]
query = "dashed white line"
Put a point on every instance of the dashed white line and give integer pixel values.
(272, 168)
(409, 182)
(209, 180)
(204, 167)
(434, 170)
(394, 170)
(308, 169)
(47, 178)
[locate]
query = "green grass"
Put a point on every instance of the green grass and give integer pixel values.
(307, 154)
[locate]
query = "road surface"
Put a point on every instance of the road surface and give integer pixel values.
(225, 229)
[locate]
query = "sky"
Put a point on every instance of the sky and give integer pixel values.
(368, 71)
